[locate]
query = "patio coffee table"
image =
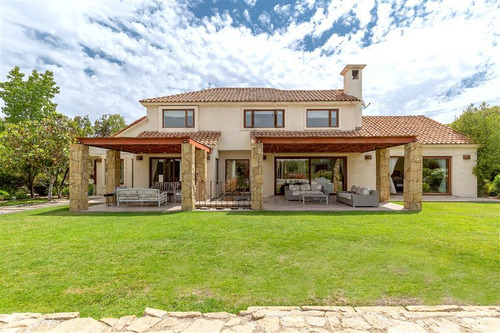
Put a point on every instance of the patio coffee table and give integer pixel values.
(313, 197)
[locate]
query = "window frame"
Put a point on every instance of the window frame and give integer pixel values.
(330, 111)
(185, 118)
(275, 115)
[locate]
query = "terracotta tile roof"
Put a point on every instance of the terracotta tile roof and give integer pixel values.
(206, 138)
(427, 131)
(221, 95)
(130, 125)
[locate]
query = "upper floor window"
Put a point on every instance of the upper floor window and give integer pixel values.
(264, 118)
(178, 118)
(323, 118)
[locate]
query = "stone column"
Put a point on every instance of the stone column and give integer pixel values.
(112, 170)
(79, 178)
(188, 176)
(201, 174)
(382, 160)
(256, 176)
(412, 185)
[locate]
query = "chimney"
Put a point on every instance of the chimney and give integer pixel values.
(353, 80)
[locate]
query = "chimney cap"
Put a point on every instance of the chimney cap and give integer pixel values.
(349, 67)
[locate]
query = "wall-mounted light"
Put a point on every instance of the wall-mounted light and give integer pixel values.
(368, 157)
(208, 157)
(139, 157)
(265, 157)
(466, 157)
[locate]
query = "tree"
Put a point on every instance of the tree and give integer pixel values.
(16, 152)
(482, 124)
(108, 124)
(84, 126)
(29, 99)
(39, 146)
(55, 133)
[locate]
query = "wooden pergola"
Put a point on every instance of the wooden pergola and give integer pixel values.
(193, 164)
(307, 142)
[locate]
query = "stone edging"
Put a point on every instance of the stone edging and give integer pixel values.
(441, 318)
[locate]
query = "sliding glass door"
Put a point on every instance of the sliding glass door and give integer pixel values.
(164, 170)
(330, 172)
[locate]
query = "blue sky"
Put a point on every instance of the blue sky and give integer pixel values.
(423, 57)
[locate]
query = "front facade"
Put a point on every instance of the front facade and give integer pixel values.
(306, 136)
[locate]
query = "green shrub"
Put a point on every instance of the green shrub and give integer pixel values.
(65, 191)
(91, 189)
(4, 195)
(21, 194)
(494, 186)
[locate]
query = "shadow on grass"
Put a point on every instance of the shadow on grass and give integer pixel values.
(64, 211)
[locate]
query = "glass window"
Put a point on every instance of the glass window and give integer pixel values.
(237, 175)
(322, 118)
(248, 118)
(178, 118)
(291, 171)
(435, 175)
(329, 172)
(190, 118)
(279, 118)
(264, 118)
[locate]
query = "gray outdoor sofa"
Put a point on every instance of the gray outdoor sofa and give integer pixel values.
(293, 192)
(358, 196)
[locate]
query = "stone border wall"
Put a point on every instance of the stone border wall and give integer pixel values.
(441, 318)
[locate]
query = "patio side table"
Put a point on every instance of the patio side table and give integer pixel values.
(313, 197)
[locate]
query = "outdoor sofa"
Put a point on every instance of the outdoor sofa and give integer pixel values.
(359, 196)
(293, 192)
(140, 195)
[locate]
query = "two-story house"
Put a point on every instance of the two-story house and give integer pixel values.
(261, 139)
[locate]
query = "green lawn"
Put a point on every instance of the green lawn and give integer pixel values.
(117, 264)
(29, 201)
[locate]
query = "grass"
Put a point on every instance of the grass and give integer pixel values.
(17, 202)
(117, 264)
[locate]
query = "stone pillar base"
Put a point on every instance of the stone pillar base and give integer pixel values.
(412, 185)
(256, 176)
(201, 174)
(188, 176)
(382, 158)
(79, 178)
(112, 171)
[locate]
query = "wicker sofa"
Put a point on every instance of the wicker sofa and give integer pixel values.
(358, 196)
(140, 195)
(293, 192)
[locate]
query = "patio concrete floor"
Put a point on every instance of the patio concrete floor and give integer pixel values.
(278, 203)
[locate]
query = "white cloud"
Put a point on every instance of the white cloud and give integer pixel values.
(251, 3)
(154, 48)
(246, 14)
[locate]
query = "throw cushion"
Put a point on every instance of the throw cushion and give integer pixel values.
(344, 195)
(317, 187)
(294, 187)
(353, 188)
(305, 187)
(363, 190)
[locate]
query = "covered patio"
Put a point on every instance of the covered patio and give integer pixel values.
(358, 142)
(194, 155)
(193, 164)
